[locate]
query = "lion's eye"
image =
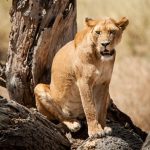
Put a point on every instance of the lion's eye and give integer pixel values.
(112, 31)
(98, 32)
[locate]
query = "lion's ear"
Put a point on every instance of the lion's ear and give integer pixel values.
(90, 22)
(122, 23)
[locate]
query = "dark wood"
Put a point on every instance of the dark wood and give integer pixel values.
(146, 145)
(39, 28)
(2, 75)
(23, 128)
(26, 129)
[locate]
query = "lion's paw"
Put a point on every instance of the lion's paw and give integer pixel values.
(102, 133)
(73, 126)
(108, 130)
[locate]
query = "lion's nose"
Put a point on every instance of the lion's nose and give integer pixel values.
(105, 43)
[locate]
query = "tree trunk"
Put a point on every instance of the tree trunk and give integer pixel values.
(26, 129)
(3, 90)
(39, 29)
(2, 75)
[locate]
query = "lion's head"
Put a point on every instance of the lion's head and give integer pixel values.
(104, 34)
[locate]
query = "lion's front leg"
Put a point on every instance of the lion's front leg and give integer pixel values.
(89, 108)
(102, 98)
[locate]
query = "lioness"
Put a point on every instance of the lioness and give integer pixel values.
(81, 73)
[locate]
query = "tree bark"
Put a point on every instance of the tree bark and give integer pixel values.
(39, 29)
(26, 129)
(2, 75)
(146, 145)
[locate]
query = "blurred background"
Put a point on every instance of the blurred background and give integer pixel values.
(4, 28)
(130, 85)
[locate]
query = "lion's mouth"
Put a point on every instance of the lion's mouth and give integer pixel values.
(107, 52)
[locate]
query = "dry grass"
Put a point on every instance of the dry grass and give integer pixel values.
(136, 39)
(130, 88)
(4, 27)
(131, 78)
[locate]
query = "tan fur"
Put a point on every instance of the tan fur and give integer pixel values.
(80, 78)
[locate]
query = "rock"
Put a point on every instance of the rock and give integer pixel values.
(121, 139)
(125, 135)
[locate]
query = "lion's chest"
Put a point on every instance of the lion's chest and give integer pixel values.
(102, 73)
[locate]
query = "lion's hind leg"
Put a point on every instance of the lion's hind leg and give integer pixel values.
(73, 125)
(48, 107)
(45, 103)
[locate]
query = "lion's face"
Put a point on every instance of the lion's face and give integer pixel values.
(106, 34)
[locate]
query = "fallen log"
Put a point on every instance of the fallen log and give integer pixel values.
(146, 145)
(23, 128)
(26, 129)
